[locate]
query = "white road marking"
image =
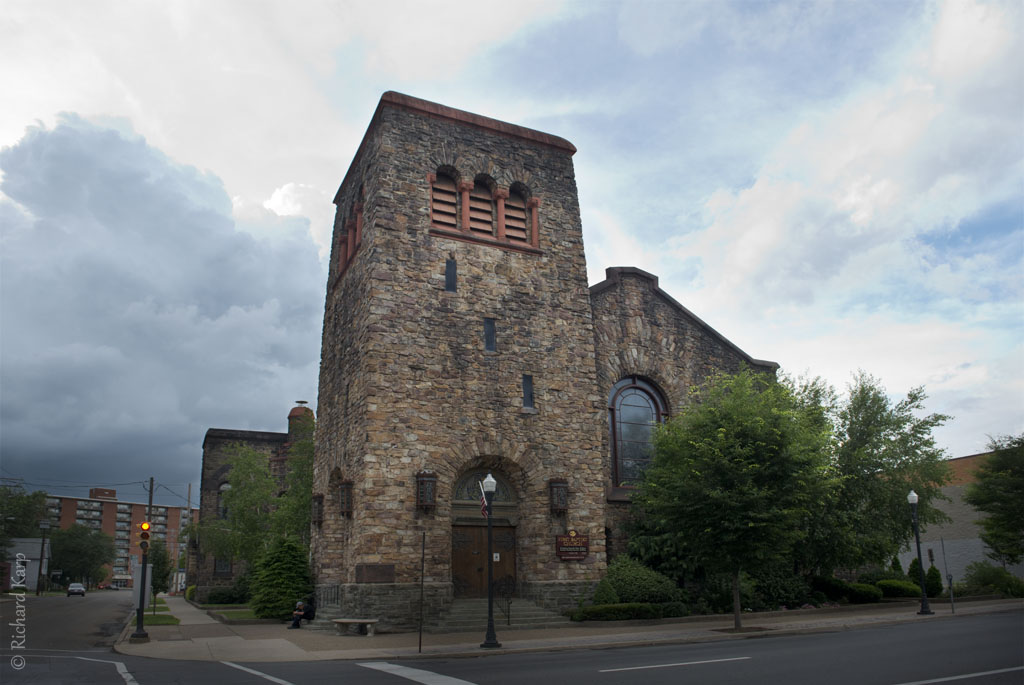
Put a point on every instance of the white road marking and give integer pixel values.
(121, 669)
(965, 676)
(254, 672)
(414, 674)
(684, 663)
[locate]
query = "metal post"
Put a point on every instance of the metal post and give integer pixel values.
(140, 633)
(490, 640)
(43, 527)
(925, 610)
(949, 577)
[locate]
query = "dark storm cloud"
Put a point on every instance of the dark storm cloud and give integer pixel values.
(135, 315)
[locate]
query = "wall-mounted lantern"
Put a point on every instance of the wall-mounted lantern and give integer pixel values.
(426, 491)
(345, 498)
(559, 489)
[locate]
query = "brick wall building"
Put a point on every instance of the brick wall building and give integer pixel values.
(460, 338)
(103, 511)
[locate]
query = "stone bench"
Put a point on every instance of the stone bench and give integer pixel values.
(344, 623)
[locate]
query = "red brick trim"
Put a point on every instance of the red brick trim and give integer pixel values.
(532, 204)
(500, 195)
(464, 189)
(479, 240)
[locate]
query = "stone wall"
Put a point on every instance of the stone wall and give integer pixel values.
(640, 330)
(406, 384)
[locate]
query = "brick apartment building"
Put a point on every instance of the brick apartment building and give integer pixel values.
(102, 511)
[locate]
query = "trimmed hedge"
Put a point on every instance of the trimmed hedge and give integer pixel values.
(898, 588)
(190, 592)
(617, 612)
(834, 589)
(604, 593)
(635, 583)
(862, 593)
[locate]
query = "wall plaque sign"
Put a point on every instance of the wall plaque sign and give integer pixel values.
(572, 547)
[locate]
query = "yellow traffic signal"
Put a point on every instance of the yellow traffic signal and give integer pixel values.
(144, 535)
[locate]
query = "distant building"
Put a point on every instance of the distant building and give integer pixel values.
(102, 511)
(206, 571)
(957, 544)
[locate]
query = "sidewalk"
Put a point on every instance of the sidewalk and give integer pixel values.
(201, 638)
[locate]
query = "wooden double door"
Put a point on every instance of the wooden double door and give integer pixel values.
(469, 558)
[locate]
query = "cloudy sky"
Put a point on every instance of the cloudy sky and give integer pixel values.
(833, 186)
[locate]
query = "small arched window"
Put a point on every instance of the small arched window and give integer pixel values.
(481, 210)
(222, 510)
(444, 202)
(516, 229)
(634, 407)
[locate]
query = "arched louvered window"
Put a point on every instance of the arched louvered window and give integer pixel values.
(515, 218)
(481, 210)
(444, 202)
(634, 407)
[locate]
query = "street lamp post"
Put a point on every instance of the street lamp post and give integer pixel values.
(490, 640)
(925, 609)
(43, 527)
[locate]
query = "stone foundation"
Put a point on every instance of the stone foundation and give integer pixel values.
(396, 605)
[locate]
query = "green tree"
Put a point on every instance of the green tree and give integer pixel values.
(292, 512)
(732, 477)
(244, 532)
(81, 552)
(161, 562)
(878, 453)
(282, 578)
(20, 513)
(998, 491)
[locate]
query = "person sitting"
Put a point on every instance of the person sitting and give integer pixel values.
(302, 611)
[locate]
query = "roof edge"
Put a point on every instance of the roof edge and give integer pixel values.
(613, 276)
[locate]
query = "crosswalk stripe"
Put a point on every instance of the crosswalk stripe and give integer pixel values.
(414, 674)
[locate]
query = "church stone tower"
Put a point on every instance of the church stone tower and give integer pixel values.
(458, 341)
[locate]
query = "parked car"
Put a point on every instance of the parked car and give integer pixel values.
(76, 589)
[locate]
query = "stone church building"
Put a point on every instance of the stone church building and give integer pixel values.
(461, 338)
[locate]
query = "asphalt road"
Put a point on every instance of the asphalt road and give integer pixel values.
(979, 650)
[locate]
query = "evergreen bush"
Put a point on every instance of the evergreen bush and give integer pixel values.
(617, 612)
(862, 593)
(674, 610)
(190, 592)
(281, 579)
(604, 593)
(914, 572)
(834, 589)
(635, 583)
(898, 588)
(895, 566)
(933, 582)
(873, 576)
(983, 578)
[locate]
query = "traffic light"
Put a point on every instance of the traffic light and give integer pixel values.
(144, 536)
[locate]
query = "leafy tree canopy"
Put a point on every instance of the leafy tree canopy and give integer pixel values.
(161, 562)
(998, 491)
(20, 513)
(732, 477)
(80, 552)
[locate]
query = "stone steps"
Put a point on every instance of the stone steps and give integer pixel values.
(465, 615)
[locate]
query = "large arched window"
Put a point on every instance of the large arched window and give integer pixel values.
(634, 407)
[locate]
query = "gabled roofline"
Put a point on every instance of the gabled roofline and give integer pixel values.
(613, 276)
(439, 111)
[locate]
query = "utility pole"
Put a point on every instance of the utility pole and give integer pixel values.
(140, 634)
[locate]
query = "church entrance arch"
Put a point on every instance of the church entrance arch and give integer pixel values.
(469, 534)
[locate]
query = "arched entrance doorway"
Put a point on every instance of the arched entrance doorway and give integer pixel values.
(469, 534)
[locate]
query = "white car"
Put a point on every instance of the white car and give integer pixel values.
(76, 589)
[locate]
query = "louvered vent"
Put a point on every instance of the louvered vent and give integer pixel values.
(480, 210)
(445, 200)
(515, 218)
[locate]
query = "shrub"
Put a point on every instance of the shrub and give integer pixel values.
(604, 593)
(190, 592)
(673, 610)
(874, 576)
(914, 572)
(862, 593)
(898, 588)
(834, 589)
(933, 582)
(635, 583)
(241, 588)
(617, 612)
(778, 586)
(223, 595)
(895, 566)
(715, 596)
(983, 578)
(281, 579)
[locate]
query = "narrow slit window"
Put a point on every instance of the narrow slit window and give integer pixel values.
(490, 344)
(450, 275)
(527, 391)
